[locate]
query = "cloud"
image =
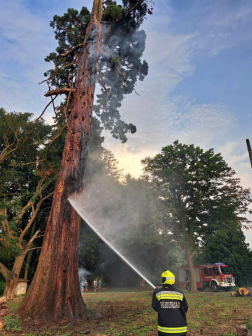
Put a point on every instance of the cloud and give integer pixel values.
(219, 25)
(236, 155)
(26, 39)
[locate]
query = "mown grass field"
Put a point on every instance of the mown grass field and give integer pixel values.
(130, 313)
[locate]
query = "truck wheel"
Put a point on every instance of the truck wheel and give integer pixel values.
(188, 286)
(214, 286)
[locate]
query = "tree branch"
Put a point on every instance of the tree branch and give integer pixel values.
(72, 50)
(46, 107)
(47, 196)
(8, 147)
(59, 91)
(29, 223)
(30, 203)
(34, 248)
(32, 239)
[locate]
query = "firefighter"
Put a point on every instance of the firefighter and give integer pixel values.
(171, 306)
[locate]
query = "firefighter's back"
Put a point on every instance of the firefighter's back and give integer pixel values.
(171, 306)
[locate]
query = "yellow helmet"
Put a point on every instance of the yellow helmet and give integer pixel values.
(168, 278)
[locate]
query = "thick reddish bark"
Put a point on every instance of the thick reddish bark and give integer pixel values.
(55, 290)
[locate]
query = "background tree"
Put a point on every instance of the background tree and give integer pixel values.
(25, 183)
(227, 244)
(199, 191)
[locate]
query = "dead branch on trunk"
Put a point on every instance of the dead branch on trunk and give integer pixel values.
(46, 108)
(52, 100)
(59, 91)
(72, 50)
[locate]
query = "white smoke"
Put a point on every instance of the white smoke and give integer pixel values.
(83, 273)
(118, 217)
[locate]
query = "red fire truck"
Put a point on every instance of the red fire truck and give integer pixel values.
(215, 276)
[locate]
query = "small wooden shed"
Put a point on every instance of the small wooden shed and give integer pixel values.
(21, 287)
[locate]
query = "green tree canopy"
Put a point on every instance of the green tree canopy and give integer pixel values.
(119, 64)
(227, 244)
(27, 178)
(199, 190)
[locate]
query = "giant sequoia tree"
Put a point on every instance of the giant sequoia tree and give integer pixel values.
(105, 46)
(200, 193)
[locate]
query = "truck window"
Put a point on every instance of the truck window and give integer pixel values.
(215, 271)
(225, 270)
(206, 272)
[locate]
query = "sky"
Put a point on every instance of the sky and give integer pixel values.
(197, 90)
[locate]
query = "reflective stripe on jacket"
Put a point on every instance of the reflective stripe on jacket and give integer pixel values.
(171, 306)
(172, 330)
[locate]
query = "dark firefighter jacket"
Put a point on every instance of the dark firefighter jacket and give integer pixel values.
(171, 306)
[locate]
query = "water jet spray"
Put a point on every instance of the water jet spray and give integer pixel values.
(84, 216)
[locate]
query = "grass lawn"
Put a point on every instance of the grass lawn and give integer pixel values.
(130, 313)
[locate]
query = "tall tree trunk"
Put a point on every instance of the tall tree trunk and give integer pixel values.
(55, 289)
(11, 283)
(190, 256)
